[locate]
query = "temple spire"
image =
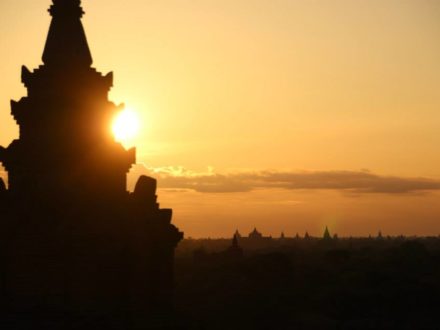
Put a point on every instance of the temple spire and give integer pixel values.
(327, 235)
(66, 41)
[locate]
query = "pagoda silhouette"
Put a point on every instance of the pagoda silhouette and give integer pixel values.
(77, 250)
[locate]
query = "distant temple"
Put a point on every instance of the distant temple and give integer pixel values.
(379, 235)
(326, 236)
(234, 251)
(255, 234)
(75, 246)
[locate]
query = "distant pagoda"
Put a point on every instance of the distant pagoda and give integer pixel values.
(76, 247)
(326, 236)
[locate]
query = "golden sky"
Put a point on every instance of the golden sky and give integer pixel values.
(234, 93)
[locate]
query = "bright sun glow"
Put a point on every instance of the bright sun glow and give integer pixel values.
(125, 126)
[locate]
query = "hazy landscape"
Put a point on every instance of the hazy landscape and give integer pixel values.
(248, 164)
(297, 283)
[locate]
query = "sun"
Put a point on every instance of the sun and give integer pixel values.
(125, 126)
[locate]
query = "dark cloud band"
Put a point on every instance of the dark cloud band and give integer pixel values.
(350, 181)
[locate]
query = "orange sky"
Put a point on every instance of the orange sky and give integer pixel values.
(318, 91)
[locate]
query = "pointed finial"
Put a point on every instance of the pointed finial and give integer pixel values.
(66, 7)
(66, 42)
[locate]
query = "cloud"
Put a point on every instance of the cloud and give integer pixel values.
(347, 181)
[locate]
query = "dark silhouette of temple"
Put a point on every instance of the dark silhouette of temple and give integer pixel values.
(255, 235)
(77, 250)
(234, 251)
(327, 236)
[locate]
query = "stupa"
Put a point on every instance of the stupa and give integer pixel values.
(76, 248)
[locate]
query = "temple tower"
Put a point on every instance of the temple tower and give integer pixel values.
(65, 143)
(75, 246)
(326, 236)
